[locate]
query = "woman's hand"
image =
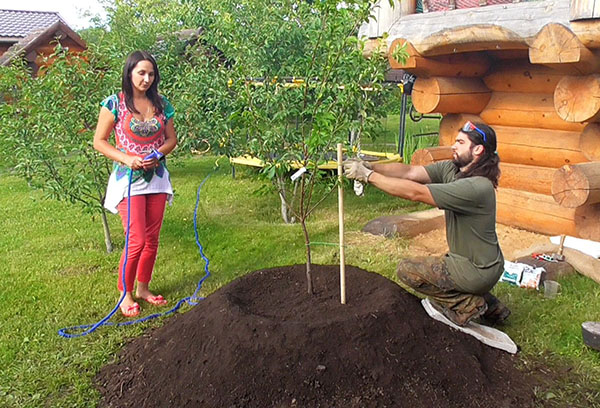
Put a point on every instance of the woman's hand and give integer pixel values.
(134, 162)
(150, 164)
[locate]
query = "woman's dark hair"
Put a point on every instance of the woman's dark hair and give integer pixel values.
(152, 92)
(488, 164)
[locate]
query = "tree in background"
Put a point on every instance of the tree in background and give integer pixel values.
(47, 128)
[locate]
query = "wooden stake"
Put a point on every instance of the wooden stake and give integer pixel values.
(341, 222)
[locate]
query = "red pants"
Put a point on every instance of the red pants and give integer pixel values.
(146, 216)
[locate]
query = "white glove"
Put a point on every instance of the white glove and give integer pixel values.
(355, 170)
(364, 163)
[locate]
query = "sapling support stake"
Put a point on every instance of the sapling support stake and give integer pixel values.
(341, 223)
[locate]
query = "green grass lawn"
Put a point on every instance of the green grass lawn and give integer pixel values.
(56, 274)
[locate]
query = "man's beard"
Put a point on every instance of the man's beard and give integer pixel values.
(461, 162)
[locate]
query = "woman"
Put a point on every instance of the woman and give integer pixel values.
(142, 121)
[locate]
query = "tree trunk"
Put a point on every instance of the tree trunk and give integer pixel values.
(309, 283)
(285, 209)
(577, 185)
(107, 238)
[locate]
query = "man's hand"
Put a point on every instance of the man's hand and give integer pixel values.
(364, 163)
(356, 170)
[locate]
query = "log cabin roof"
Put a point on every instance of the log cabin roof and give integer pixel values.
(502, 26)
(494, 28)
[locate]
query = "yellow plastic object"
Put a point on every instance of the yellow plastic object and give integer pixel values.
(330, 165)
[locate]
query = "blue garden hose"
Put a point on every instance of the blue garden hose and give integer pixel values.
(190, 300)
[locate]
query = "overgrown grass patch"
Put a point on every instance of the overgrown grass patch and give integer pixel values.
(56, 274)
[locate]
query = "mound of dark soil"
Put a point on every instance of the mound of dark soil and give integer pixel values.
(261, 341)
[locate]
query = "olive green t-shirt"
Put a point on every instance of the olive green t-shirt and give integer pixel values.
(475, 261)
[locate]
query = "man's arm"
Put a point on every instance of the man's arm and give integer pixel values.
(403, 171)
(403, 188)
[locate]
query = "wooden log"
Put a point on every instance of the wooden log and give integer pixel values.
(454, 65)
(538, 147)
(583, 263)
(519, 145)
(407, 225)
(450, 125)
(468, 38)
(576, 185)
(450, 95)
(534, 179)
(374, 45)
(521, 76)
(587, 221)
(577, 98)
(587, 31)
(534, 212)
(429, 155)
(590, 142)
(558, 47)
(530, 110)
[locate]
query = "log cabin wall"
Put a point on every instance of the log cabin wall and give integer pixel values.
(539, 90)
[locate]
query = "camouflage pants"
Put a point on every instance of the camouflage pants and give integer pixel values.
(429, 276)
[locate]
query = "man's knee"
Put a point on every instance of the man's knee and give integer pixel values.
(407, 273)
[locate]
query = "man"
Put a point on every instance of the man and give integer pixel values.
(458, 283)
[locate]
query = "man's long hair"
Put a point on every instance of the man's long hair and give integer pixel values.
(488, 164)
(127, 87)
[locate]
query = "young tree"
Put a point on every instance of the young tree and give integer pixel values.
(302, 84)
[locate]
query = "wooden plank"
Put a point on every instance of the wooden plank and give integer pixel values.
(582, 9)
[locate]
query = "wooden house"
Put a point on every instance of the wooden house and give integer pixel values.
(33, 35)
(531, 70)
